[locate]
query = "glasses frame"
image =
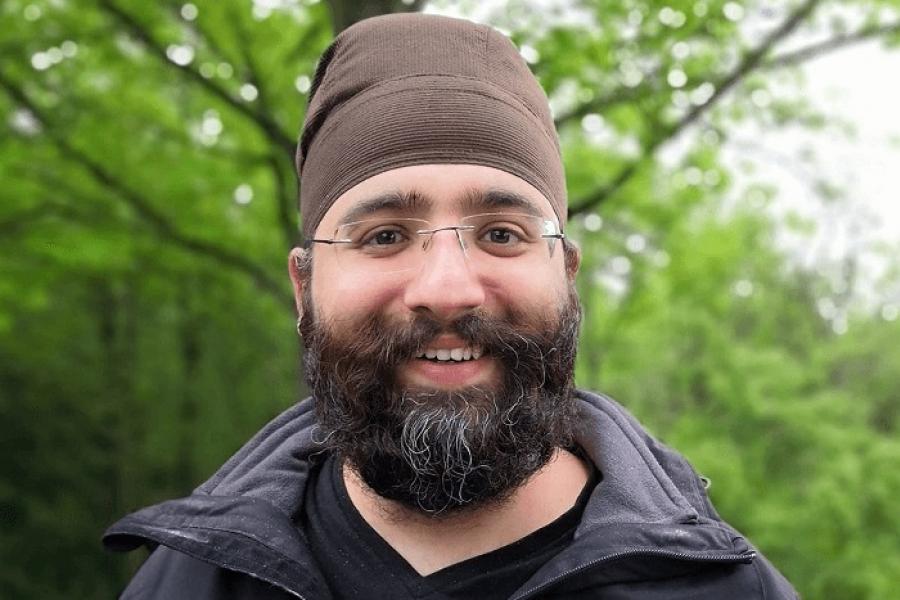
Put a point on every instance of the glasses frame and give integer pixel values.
(558, 235)
(546, 224)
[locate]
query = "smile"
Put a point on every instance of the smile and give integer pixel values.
(459, 354)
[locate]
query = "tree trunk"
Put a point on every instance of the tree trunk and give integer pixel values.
(345, 13)
(117, 329)
(188, 426)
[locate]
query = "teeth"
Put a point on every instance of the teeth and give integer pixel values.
(455, 354)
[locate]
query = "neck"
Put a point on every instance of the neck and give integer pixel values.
(429, 544)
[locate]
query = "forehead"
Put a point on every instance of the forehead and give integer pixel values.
(436, 191)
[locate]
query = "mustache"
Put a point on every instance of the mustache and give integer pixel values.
(516, 341)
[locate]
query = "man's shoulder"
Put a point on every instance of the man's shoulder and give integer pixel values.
(173, 574)
(602, 416)
(653, 489)
(283, 443)
(235, 536)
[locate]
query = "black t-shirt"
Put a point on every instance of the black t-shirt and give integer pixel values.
(358, 563)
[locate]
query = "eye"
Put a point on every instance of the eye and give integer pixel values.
(504, 234)
(385, 237)
(501, 235)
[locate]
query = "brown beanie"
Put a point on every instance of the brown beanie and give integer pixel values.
(409, 89)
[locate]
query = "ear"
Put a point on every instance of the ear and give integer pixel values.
(572, 258)
(295, 258)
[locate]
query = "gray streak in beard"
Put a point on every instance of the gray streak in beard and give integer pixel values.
(435, 443)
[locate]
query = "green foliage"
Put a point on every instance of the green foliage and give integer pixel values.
(146, 320)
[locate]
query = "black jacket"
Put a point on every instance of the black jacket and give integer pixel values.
(648, 531)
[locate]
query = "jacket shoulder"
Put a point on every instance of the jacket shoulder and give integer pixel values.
(681, 473)
(171, 575)
(773, 584)
(285, 437)
(757, 578)
(690, 582)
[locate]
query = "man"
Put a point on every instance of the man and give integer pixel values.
(444, 452)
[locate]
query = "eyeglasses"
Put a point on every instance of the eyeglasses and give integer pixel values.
(389, 245)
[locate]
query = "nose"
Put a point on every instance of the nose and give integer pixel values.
(446, 286)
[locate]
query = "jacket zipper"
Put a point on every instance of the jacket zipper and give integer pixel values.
(629, 553)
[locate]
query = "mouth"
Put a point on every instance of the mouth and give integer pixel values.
(458, 354)
(450, 366)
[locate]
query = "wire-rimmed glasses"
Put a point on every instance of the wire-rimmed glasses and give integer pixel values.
(391, 244)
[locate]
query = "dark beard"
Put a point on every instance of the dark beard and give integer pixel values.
(435, 450)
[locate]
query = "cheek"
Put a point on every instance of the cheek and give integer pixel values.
(531, 288)
(341, 297)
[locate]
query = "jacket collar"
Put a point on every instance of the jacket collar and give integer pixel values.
(649, 502)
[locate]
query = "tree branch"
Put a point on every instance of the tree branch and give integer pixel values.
(25, 218)
(598, 196)
(787, 59)
(345, 13)
(286, 204)
(597, 104)
(750, 61)
(269, 127)
(163, 227)
(301, 48)
(196, 28)
(812, 51)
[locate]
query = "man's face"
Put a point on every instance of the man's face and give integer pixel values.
(433, 431)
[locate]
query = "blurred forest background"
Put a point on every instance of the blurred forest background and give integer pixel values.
(148, 203)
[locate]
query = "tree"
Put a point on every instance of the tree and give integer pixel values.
(149, 201)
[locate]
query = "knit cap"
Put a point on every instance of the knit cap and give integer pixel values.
(408, 89)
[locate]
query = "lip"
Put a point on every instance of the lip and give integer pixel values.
(446, 342)
(448, 374)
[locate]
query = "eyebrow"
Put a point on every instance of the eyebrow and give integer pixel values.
(411, 202)
(476, 201)
(414, 202)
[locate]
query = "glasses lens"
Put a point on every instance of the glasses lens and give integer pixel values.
(505, 235)
(379, 245)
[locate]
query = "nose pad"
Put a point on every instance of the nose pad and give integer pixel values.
(459, 237)
(462, 242)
